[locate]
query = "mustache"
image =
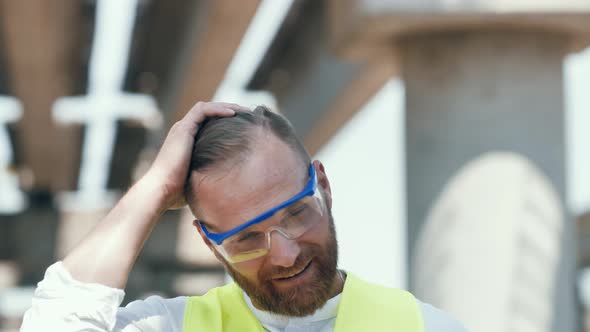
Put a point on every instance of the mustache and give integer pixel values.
(280, 271)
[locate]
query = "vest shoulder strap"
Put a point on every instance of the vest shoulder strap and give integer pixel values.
(363, 307)
(221, 309)
(368, 307)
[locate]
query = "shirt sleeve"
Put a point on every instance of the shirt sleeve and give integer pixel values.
(61, 303)
(436, 320)
(154, 314)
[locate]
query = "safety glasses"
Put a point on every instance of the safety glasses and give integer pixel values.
(291, 219)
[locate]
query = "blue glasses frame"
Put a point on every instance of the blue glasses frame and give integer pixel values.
(309, 190)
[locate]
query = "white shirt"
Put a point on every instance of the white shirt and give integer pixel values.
(64, 304)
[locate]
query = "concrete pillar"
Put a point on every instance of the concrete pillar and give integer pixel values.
(471, 92)
(489, 250)
(583, 237)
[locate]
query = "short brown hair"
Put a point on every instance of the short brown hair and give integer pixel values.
(220, 140)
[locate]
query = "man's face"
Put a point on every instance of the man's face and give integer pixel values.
(297, 276)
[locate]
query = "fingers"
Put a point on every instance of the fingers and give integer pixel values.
(232, 106)
(172, 163)
(202, 110)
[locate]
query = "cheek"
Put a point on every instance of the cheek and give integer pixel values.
(249, 270)
(315, 240)
(318, 234)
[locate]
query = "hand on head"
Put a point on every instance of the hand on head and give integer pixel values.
(170, 168)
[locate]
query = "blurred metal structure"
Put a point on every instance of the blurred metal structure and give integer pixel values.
(104, 104)
(316, 89)
(480, 75)
(44, 61)
(178, 53)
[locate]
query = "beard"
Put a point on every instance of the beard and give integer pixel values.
(303, 299)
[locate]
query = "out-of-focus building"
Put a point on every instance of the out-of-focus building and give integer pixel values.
(479, 75)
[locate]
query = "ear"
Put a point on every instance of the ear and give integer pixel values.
(323, 181)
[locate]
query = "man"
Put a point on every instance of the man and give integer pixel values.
(264, 209)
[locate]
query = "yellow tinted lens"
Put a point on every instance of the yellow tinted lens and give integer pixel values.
(245, 242)
(248, 255)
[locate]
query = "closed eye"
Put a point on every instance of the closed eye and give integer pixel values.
(293, 214)
(296, 210)
(248, 236)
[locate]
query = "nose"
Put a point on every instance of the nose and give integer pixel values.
(283, 252)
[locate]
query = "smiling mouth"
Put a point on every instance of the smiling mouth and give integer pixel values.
(295, 274)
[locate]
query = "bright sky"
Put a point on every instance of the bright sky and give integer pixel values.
(577, 93)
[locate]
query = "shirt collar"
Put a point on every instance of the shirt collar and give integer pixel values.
(328, 311)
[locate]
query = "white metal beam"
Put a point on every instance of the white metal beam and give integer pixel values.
(105, 103)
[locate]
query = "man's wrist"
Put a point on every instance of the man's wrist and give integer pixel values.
(152, 194)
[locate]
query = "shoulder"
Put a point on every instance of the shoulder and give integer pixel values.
(437, 320)
(155, 313)
(434, 319)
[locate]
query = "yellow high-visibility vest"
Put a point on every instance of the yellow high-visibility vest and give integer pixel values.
(363, 307)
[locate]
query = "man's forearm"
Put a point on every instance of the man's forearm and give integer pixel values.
(108, 253)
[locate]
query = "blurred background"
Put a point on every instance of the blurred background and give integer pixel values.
(454, 132)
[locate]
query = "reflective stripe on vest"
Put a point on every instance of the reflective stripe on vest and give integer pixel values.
(363, 307)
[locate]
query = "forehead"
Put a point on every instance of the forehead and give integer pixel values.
(229, 196)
